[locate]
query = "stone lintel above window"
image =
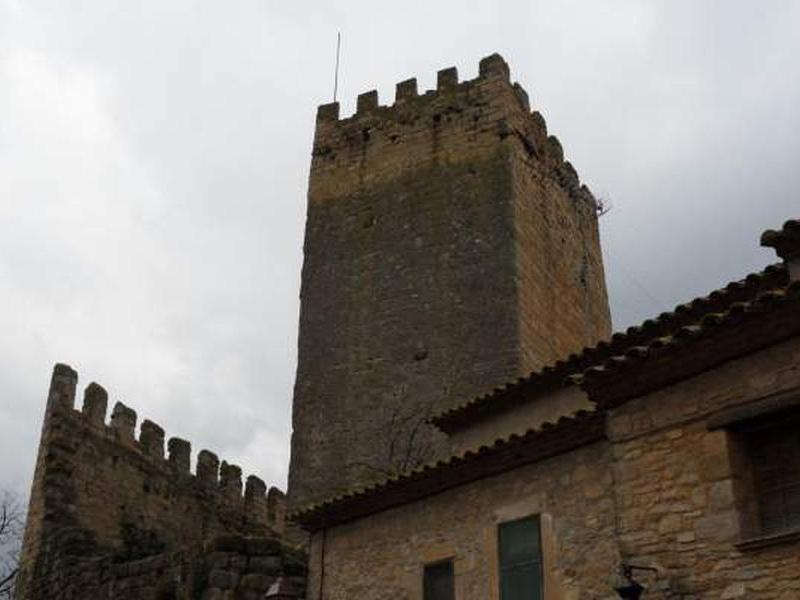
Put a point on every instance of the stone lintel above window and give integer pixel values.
(736, 416)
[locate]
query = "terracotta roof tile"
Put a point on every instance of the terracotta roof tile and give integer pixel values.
(504, 454)
(685, 320)
(708, 325)
(786, 241)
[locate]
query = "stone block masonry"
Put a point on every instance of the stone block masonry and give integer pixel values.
(676, 483)
(669, 486)
(103, 498)
(227, 568)
(382, 555)
(449, 248)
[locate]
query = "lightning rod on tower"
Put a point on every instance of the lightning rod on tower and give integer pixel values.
(336, 72)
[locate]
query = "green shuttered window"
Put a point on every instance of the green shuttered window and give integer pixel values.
(520, 551)
(438, 581)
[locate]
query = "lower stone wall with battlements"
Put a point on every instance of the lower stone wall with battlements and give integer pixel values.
(227, 568)
(102, 495)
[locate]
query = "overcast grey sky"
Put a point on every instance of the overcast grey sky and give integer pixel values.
(154, 157)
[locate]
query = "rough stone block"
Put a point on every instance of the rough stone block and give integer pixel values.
(267, 565)
(224, 580)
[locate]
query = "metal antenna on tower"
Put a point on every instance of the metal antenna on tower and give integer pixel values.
(336, 73)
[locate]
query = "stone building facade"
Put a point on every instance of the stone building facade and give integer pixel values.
(687, 464)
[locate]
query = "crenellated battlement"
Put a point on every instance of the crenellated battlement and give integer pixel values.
(459, 121)
(258, 504)
(126, 490)
(492, 69)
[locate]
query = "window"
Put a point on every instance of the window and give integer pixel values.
(763, 439)
(775, 456)
(438, 583)
(520, 550)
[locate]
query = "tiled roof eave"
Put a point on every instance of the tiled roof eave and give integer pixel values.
(505, 454)
(785, 241)
(744, 329)
(638, 340)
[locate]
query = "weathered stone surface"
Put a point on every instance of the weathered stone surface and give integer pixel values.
(381, 556)
(224, 580)
(448, 249)
(646, 497)
(190, 573)
(674, 466)
(265, 564)
(110, 513)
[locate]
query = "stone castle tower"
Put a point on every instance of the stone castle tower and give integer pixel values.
(449, 248)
